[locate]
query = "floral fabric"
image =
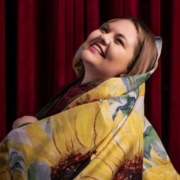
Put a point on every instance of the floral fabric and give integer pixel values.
(103, 135)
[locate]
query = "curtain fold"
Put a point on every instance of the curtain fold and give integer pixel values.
(131, 8)
(38, 39)
(92, 16)
(27, 55)
(174, 145)
(70, 24)
(153, 89)
(2, 71)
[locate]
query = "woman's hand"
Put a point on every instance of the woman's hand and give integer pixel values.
(23, 120)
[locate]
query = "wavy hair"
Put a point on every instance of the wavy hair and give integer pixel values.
(145, 54)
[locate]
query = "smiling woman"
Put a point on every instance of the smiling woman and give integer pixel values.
(109, 50)
(96, 127)
(122, 48)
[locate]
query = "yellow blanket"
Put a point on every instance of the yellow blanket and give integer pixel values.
(106, 125)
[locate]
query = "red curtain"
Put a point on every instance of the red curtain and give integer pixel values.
(2, 71)
(38, 39)
(174, 106)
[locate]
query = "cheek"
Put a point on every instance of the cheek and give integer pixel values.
(119, 59)
(122, 55)
(116, 53)
(87, 56)
(93, 35)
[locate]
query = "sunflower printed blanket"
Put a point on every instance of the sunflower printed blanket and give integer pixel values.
(102, 135)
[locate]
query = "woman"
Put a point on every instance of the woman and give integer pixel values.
(95, 128)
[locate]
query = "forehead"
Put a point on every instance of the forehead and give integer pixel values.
(123, 26)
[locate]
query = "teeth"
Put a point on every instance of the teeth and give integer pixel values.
(97, 48)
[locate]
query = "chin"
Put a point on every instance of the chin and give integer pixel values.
(89, 57)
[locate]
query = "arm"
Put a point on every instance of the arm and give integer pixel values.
(24, 121)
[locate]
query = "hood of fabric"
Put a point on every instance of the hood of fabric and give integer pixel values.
(104, 127)
(78, 64)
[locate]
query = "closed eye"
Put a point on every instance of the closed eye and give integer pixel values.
(119, 41)
(104, 29)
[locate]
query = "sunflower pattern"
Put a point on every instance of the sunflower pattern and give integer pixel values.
(103, 134)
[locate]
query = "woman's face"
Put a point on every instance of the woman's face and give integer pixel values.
(109, 50)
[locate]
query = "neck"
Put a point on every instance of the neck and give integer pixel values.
(89, 78)
(91, 75)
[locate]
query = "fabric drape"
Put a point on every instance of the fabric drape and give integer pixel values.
(39, 38)
(101, 130)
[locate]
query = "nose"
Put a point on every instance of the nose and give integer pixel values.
(104, 39)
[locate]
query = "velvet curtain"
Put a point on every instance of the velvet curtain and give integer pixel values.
(38, 39)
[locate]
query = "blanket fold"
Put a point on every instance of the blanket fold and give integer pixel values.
(103, 134)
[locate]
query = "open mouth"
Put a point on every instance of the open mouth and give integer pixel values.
(98, 49)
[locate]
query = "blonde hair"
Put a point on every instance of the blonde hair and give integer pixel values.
(145, 54)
